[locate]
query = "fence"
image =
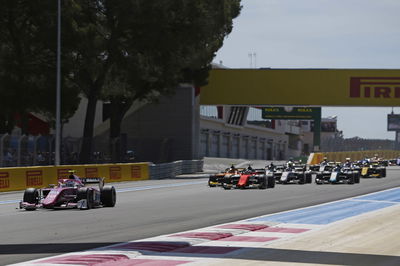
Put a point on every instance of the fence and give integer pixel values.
(316, 158)
(40, 150)
(356, 144)
(170, 170)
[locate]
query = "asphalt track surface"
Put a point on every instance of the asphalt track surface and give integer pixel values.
(150, 208)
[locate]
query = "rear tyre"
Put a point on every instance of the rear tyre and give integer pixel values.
(308, 178)
(270, 181)
(357, 178)
(350, 181)
(108, 196)
(383, 172)
(31, 195)
(302, 179)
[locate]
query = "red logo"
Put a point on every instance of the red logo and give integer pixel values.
(62, 173)
(4, 180)
(375, 87)
(136, 171)
(91, 172)
(115, 172)
(34, 178)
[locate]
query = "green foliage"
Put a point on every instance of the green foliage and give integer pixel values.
(119, 50)
(28, 61)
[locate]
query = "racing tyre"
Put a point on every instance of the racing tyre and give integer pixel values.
(308, 178)
(270, 182)
(383, 172)
(31, 195)
(87, 194)
(350, 181)
(108, 196)
(263, 182)
(357, 178)
(302, 179)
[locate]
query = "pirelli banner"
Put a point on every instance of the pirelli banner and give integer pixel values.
(315, 87)
(19, 178)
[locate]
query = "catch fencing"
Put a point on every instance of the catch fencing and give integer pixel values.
(171, 170)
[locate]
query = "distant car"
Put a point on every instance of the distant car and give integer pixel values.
(373, 170)
(346, 175)
(324, 173)
(249, 178)
(70, 193)
(216, 180)
(295, 174)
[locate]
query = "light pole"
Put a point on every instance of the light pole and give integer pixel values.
(58, 93)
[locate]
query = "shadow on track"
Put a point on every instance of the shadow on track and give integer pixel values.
(12, 249)
(262, 255)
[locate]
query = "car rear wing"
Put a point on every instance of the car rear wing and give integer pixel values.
(93, 180)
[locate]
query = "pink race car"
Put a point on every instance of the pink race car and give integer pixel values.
(70, 193)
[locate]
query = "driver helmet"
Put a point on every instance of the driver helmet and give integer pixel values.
(232, 168)
(71, 174)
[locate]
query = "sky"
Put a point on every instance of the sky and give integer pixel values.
(320, 34)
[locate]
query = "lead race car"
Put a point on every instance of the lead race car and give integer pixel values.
(69, 193)
(249, 178)
(217, 179)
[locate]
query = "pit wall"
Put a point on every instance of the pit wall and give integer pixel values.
(316, 158)
(20, 178)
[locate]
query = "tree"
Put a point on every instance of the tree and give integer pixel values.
(120, 50)
(164, 43)
(28, 63)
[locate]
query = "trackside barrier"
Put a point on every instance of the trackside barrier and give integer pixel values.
(20, 178)
(170, 170)
(316, 158)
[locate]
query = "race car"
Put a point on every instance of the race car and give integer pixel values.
(249, 178)
(323, 173)
(217, 179)
(70, 193)
(295, 174)
(374, 169)
(343, 174)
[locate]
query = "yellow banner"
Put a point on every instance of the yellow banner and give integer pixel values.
(20, 178)
(340, 156)
(318, 87)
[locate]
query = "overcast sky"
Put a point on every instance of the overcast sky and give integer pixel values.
(320, 34)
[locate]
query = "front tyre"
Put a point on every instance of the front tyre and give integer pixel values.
(86, 194)
(263, 182)
(31, 195)
(108, 196)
